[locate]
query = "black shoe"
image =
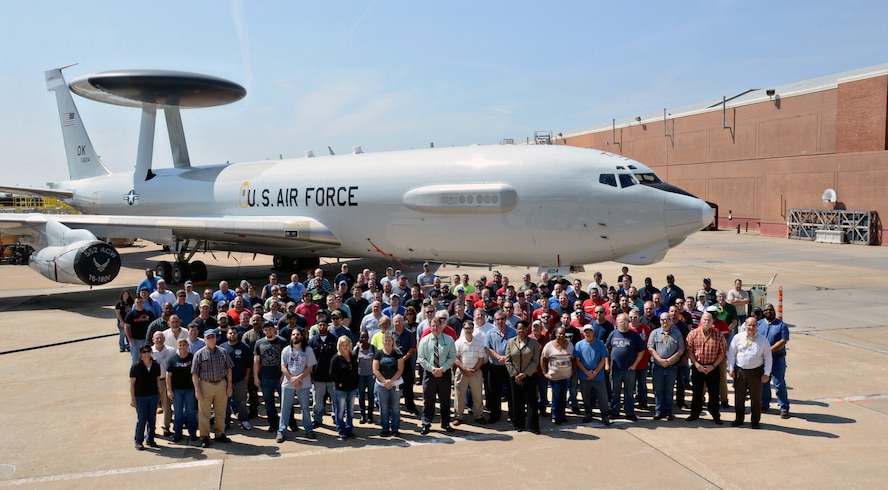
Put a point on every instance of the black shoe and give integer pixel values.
(140, 446)
(311, 435)
(272, 428)
(692, 418)
(370, 419)
(177, 438)
(718, 421)
(448, 428)
(481, 421)
(363, 419)
(192, 438)
(280, 438)
(535, 431)
(736, 423)
(606, 421)
(755, 425)
(632, 418)
(425, 429)
(385, 433)
(658, 416)
(222, 438)
(351, 435)
(167, 433)
(396, 434)
(205, 442)
(575, 410)
(725, 404)
(586, 420)
(151, 442)
(670, 417)
(293, 425)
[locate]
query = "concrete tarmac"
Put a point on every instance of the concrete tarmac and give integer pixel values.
(67, 422)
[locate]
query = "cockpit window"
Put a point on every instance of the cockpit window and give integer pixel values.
(648, 178)
(627, 180)
(608, 179)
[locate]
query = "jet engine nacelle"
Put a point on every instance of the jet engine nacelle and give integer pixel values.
(89, 262)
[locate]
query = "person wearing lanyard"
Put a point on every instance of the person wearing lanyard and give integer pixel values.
(522, 359)
(706, 349)
(667, 348)
(437, 352)
(749, 364)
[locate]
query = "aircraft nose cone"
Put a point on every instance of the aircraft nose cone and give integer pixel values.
(708, 214)
(685, 215)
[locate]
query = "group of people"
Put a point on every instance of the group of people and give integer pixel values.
(203, 360)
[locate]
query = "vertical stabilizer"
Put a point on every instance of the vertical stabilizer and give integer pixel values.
(82, 159)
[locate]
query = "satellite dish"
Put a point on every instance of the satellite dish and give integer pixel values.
(829, 195)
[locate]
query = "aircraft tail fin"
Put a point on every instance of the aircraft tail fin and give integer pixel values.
(82, 159)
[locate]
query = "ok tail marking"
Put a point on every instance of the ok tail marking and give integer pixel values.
(82, 159)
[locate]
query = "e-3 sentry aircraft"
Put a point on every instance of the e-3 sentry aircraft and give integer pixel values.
(554, 207)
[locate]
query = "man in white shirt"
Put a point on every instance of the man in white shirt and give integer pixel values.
(749, 364)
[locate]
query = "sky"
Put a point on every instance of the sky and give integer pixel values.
(399, 74)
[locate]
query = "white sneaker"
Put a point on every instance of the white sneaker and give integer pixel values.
(246, 425)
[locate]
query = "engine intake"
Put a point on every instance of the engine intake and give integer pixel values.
(89, 262)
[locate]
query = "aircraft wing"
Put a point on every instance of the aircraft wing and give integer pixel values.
(36, 191)
(248, 233)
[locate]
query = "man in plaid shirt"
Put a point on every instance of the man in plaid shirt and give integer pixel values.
(706, 349)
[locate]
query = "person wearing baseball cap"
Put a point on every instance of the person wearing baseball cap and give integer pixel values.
(211, 373)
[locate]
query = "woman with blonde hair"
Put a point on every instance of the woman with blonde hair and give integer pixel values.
(344, 371)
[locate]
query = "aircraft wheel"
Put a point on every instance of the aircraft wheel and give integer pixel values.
(179, 272)
(279, 262)
(198, 271)
(164, 269)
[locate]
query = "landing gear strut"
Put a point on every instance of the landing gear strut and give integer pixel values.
(183, 268)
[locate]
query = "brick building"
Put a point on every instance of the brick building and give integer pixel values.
(764, 151)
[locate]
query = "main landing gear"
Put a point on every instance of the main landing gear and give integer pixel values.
(183, 268)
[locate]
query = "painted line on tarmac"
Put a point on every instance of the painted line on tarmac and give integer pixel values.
(121, 471)
(814, 333)
(852, 399)
(66, 342)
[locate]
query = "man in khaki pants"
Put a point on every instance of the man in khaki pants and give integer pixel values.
(211, 374)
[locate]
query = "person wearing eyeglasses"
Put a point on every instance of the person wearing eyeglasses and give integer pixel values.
(666, 347)
(144, 374)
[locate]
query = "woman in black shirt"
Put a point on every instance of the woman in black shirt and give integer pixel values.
(388, 365)
(344, 371)
(143, 393)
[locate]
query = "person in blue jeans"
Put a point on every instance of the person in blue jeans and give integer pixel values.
(267, 370)
(180, 389)
(666, 346)
(625, 350)
(388, 365)
(365, 352)
(777, 334)
(297, 364)
(144, 396)
(344, 374)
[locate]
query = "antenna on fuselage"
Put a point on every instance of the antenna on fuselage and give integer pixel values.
(153, 89)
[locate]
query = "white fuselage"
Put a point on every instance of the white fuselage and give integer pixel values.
(539, 205)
